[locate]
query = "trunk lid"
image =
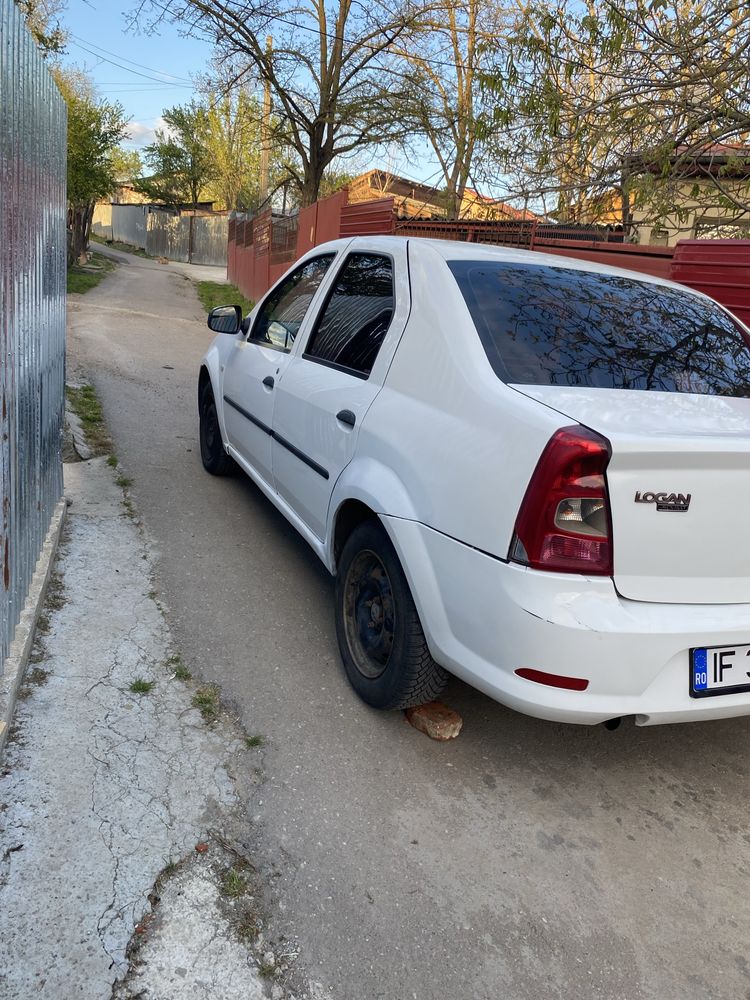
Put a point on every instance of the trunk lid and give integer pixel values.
(679, 484)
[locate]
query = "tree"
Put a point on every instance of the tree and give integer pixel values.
(233, 137)
(126, 164)
(95, 130)
(179, 159)
(334, 180)
(631, 96)
(445, 52)
(43, 20)
(329, 72)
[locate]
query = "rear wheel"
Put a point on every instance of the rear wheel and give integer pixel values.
(215, 459)
(379, 634)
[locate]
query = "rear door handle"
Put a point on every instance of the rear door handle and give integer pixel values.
(268, 382)
(346, 417)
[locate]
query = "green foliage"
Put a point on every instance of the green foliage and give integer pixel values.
(232, 138)
(634, 95)
(95, 129)
(42, 19)
(325, 72)
(334, 180)
(180, 160)
(126, 164)
(221, 293)
(141, 686)
(85, 403)
(83, 279)
(206, 700)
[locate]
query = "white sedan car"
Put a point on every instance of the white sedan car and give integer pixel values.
(524, 470)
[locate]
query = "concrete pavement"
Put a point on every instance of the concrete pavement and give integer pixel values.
(524, 859)
(110, 779)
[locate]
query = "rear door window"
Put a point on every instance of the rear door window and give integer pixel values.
(356, 317)
(545, 325)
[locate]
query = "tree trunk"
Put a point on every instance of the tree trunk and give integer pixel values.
(452, 202)
(78, 215)
(313, 178)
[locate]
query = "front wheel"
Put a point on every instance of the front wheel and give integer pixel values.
(379, 634)
(215, 459)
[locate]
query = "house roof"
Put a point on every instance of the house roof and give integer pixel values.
(502, 206)
(695, 160)
(404, 186)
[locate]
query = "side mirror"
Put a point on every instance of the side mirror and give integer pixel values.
(225, 319)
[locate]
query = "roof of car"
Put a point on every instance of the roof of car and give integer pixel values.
(453, 250)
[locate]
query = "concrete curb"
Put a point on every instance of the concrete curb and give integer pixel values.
(18, 657)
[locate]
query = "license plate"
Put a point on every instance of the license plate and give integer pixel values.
(719, 670)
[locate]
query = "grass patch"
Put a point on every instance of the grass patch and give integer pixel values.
(124, 247)
(84, 402)
(233, 885)
(112, 461)
(43, 624)
(267, 969)
(255, 741)
(206, 700)
(248, 929)
(219, 293)
(55, 599)
(181, 672)
(141, 686)
(124, 481)
(82, 278)
(37, 676)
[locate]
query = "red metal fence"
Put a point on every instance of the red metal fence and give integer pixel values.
(719, 268)
(262, 248)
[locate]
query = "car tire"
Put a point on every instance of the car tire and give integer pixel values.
(380, 637)
(215, 459)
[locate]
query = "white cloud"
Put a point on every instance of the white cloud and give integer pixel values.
(141, 133)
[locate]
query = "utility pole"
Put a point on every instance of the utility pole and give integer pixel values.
(265, 128)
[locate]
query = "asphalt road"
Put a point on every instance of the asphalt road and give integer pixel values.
(525, 859)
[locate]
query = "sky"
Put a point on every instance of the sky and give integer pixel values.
(145, 73)
(148, 73)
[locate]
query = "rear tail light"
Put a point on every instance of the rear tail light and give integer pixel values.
(564, 524)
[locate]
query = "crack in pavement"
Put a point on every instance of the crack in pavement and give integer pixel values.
(103, 787)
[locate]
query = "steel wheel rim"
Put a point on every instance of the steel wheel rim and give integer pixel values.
(210, 427)
(369, 614)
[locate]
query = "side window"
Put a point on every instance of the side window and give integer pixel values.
(281, 315)
(357, 315)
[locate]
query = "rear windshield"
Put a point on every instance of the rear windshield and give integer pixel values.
(557, 326)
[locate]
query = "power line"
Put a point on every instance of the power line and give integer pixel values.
(331, 36)
(131, 62)
(127, 69)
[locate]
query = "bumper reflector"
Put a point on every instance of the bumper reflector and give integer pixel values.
(553, 680)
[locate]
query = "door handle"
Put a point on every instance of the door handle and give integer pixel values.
(346, 417)
(268, 382)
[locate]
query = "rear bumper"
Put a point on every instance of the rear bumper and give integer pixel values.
(484, 618)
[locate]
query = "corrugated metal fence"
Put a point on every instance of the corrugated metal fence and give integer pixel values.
(199, 240)
(32, 309)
